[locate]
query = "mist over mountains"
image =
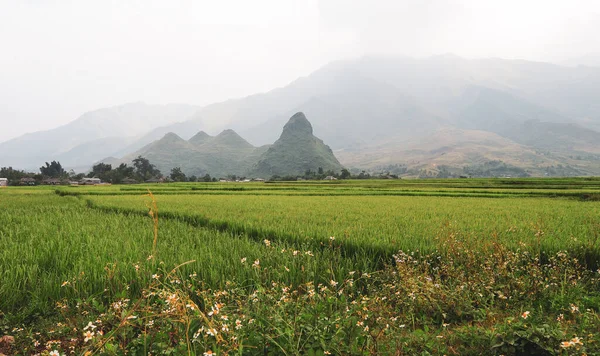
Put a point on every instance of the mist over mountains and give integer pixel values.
(372, 112)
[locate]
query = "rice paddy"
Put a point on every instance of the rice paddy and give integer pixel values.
(482, 253)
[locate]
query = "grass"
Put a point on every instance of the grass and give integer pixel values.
(380, 226)
(302, 268)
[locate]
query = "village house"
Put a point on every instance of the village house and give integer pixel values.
(330, 178)
(3, 182)
(27, 181)
(52, 181)
(90, 181)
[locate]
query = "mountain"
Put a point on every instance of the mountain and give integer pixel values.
(221, 155)
(374, 105)
(296, 151)
(183, 129)
(590, 60)
(200, 138)
(122, 123)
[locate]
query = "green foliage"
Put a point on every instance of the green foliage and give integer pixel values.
(107, 174)
(14, 175)
(144, 169)
(53, 170)
(177, 175)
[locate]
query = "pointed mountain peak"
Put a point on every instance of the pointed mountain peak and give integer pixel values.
(298, 124)
(228, 132)
(231, 138)
(172, 137)
(199, 138)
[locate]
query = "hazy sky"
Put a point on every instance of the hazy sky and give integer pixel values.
(60, 58)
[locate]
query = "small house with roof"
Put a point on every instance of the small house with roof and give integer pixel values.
(90, 181)
(27, 181)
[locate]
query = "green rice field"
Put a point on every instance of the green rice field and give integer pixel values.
(463, 266)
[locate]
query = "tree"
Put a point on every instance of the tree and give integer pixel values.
(102, 171)
(53, 170)
(345, 174)
(119, 174)
(144, 169)
(207, 178)
(177, 175)
(14, 175)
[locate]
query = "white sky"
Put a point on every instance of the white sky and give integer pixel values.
(60, 58)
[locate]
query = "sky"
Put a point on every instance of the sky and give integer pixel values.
(61, 58)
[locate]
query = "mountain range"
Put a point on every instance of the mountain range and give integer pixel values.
(373, 112)
(296, 151)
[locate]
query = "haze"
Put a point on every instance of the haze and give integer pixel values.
(60, 59)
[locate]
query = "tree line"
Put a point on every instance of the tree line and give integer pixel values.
(142, 170)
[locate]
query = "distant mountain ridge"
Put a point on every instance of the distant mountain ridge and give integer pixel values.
(380, 107)
(92, 136)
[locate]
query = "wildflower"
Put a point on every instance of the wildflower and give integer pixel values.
(88, 335)
(267, 243)
(566, 344)
(286, 269)
(576, 341)
(90, 326)
(131, 317)
(525, 315)
(560, 317)
(214, 310)
(238, 324)
(209, 353)
(256, 263)
(333, 283)
(211, 332)
(366, 329)
(225, 328)
(171, 298)
(243, 260)
(65, 283)
(295, 253)
(445, 325)
(309, 253)
(327, 353)
(54, 353)
(155, 276)
(149, 258)
(331, 238)
(574, 309)
(225, 317)
(190, 306)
